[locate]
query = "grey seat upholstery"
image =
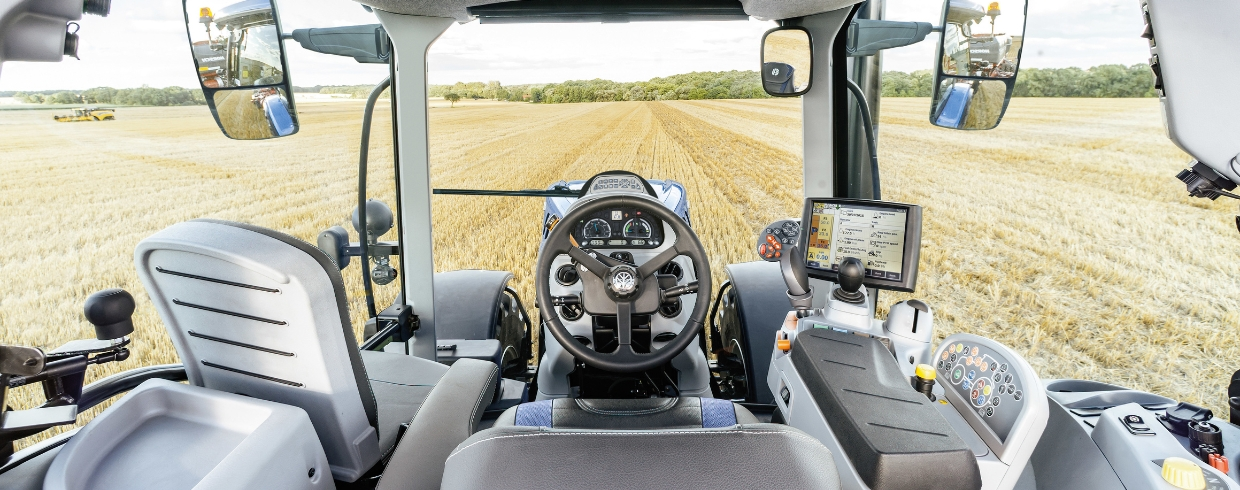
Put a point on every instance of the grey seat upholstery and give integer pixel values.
(261, 313)
(634, 414)
(448, 417)
(743, 456)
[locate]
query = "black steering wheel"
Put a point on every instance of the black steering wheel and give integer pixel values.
(610, 285)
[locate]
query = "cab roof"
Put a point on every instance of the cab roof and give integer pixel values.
(530, 11)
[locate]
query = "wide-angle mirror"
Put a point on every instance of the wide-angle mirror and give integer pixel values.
(241, 66)
(787, 57)
(979, 55)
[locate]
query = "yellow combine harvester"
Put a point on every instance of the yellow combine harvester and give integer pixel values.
(88, 114)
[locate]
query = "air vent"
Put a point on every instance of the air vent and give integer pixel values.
(672, 268)
(571, 312)
(670, 309)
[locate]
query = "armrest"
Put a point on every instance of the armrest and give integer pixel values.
(449, 415)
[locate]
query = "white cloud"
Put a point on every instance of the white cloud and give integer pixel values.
(143, 43)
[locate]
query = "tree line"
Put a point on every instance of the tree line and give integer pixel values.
(1099, 81)
(146, 96)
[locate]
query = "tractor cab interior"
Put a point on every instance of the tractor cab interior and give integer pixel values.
(654, 367)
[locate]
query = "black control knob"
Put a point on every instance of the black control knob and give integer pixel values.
(111, 312)
(850, 275)
(1205, 436)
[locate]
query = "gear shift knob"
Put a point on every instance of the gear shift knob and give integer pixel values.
(111, 312)
(850, 275)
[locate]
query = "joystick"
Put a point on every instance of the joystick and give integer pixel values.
(851, 273)
(111, 312)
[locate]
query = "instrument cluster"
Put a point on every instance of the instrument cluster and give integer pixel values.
(619, 228)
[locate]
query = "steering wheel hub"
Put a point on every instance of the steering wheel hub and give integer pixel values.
(623, 281)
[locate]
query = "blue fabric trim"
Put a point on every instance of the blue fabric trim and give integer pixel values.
(538, 414)
(717, 413)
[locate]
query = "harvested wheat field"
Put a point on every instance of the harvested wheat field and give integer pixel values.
(1062, 233)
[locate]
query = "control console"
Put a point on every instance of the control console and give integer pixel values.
(998, 397)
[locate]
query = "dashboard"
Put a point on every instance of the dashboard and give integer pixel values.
(623, 227)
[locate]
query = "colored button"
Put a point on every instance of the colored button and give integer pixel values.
(972, 374)
(925, 371)
(1184, 474)
(957, 374)
(968, 361)
(779, 246)
(761, 249)
(986, 391)
(974, 351)
(985, 366)
(945, 354)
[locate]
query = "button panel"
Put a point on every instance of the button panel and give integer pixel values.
(776, 238)
(983, 378)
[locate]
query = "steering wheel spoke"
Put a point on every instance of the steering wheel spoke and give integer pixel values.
(592, 264)
(658, 261)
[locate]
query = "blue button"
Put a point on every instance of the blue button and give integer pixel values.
(972, 374)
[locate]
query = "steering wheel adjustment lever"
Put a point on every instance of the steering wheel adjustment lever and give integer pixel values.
(678, 291)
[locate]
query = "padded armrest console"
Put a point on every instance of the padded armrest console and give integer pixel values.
(892, 434)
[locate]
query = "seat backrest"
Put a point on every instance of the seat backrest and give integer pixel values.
(744, 456)
(263, 314)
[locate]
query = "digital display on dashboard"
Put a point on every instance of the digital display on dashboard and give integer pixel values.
(886, 237)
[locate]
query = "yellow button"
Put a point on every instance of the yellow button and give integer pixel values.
(1182, 473)
(925, 371)
(986, 390)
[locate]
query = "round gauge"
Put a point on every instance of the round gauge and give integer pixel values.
(637, 228)
(596, 228)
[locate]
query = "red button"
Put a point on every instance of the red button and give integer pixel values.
(777, 254)
(779, 246)
(761, 249)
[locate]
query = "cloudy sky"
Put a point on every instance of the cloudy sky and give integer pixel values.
(143, 43)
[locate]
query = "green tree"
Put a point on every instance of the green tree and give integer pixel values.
(452, 97)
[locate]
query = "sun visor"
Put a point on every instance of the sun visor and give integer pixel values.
(786, 9)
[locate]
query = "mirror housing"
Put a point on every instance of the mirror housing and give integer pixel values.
(975, 72)
(238, 52)
(787, 61)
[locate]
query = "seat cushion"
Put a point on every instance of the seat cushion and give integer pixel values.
(634, 414)
(400, 384)
(746, 456)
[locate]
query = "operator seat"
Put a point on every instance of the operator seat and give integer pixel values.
(640, 443)
(260, 313)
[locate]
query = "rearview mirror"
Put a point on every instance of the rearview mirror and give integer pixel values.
(239, 55)
(787, 58)
(978, 57)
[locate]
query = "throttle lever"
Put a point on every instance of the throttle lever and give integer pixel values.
(792, 265)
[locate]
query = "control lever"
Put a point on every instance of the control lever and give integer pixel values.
(800, 293)
(678, 291)
(850, 275)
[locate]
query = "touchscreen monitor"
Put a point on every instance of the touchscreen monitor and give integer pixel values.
(885, 236)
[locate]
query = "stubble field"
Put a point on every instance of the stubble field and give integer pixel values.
(1062, 233)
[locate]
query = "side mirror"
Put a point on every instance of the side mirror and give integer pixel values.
(239, 54)
(787, 61)
(979, 55)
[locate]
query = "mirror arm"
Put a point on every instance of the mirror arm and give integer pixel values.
(867, 37)
(365, 43)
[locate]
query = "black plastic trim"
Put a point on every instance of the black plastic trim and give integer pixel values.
(217, 281)
(230, 313)
(256, 375)
(240, 344)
